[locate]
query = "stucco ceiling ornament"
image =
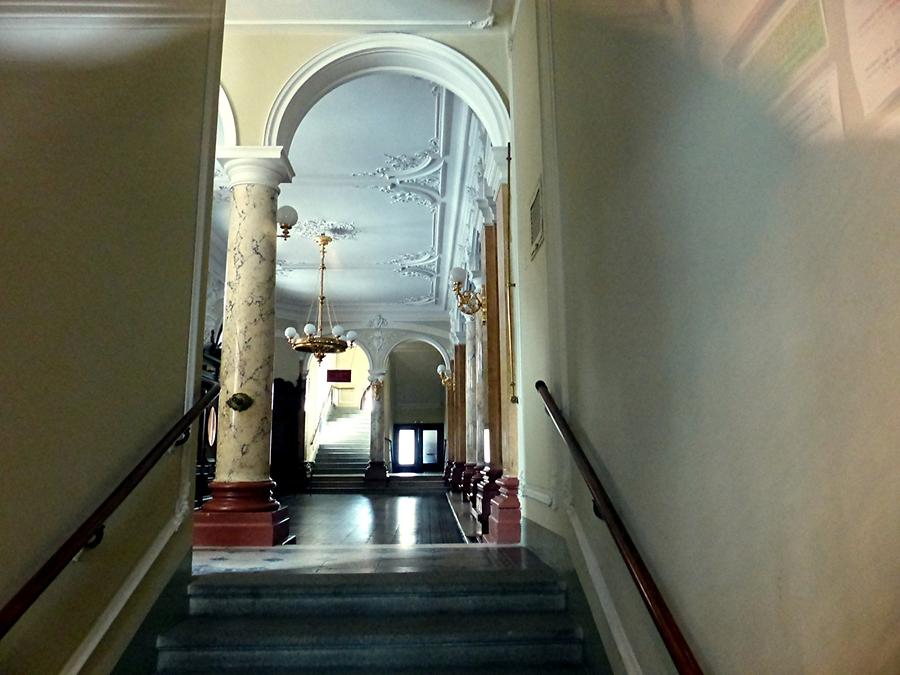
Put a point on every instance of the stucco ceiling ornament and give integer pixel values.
(419, 271)
(400, 196)
(425, 257)
(411, 178)
(396, 166)
(285, 268)
(311, 229)
(418, 300)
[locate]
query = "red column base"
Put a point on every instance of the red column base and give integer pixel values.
(376, 472)
(456, 476)
(473, 484)
(506, 514)
(448, 470)
(466, 482)
(485, 491)
(241, 514)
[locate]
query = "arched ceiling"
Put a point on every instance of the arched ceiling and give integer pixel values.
(392, 161)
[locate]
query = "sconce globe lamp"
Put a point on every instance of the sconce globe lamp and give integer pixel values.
(467, 301)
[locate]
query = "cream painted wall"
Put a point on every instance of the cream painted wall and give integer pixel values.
(417, 394)
(104, 154)
(257, 63)
(537, 467)
(356, 362)
(738, 294)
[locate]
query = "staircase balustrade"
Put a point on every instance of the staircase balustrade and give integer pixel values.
(671, 634)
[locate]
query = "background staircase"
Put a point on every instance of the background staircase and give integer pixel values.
(343, 451)
(498, 621)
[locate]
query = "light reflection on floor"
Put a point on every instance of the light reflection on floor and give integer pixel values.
(338, 519)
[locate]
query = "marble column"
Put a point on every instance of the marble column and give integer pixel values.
(242, 511)
(471, 407)
(480, 405)
(490, 391)
(459, 417)
(449, 423)
(376, 470)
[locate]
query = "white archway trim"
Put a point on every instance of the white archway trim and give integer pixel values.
(393, 53)
(442, 350)
(226, 119)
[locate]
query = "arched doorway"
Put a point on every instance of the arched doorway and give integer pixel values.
(415, 407)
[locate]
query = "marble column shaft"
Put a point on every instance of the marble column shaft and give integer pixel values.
(459, 393)
(480, 389)
(376, 439)
(471, 388)
(247, 349)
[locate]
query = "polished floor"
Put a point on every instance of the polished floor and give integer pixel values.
(358, 519)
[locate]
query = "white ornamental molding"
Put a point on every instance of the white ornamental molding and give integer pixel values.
(387, 52)
(418, 300)
(411, 178)
(398, 165)
(310, 229)
(403, 193)
(378, 323)
(426, 257)
(420, 271)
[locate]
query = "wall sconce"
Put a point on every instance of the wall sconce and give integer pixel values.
(468, 302)
(376, 384)
(285, 218)
(446, 376)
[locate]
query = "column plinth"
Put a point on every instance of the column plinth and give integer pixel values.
(466, 482)
(241, 514)
(505, 522)
(485, 491)
(456, 476)
(473, 483)
(448, 471)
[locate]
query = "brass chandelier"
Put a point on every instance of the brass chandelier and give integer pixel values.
(313, 341)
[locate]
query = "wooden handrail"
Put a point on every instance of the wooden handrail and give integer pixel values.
(90, 531)
(678, 648)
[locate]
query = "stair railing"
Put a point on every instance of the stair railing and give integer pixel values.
(671, 634)
(327, 405)
(89, 534)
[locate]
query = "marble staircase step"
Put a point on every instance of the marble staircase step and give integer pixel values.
(233, 644)
(279, 594)
(503, 669)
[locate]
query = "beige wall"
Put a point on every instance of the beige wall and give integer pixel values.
(417, 394)
(728, 350)
(103, 157)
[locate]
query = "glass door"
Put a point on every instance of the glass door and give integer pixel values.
(417, 448)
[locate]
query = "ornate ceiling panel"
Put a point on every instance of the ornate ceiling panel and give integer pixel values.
(389, 163)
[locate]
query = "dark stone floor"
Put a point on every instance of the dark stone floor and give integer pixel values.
(337, 519)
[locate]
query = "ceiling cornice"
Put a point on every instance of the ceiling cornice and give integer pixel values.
(409, 16)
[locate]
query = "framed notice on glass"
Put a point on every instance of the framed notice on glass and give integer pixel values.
(335, 375)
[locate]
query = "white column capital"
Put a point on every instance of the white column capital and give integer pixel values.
(256, 164)
(487, 206)
(496, 170)
(378, 374)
